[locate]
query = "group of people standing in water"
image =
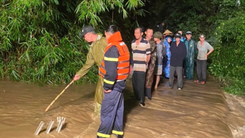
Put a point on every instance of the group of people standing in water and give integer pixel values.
(157, 54)
(168, 55)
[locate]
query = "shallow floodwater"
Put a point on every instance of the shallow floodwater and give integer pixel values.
(198, 111)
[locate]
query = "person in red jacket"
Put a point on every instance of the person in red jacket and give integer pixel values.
(114, 69)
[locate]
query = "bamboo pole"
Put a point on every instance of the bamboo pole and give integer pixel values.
(58, 96)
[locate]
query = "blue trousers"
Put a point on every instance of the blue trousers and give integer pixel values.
(112, 109)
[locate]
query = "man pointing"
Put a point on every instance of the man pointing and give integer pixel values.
(94, 56)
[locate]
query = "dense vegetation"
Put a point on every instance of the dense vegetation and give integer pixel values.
(228, 62)
(39, 38)
(223, 22)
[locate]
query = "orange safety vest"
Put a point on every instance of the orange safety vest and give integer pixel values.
(123, 61)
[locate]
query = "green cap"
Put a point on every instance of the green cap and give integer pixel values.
(157, 35)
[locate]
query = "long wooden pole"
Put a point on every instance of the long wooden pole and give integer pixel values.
(58, 96)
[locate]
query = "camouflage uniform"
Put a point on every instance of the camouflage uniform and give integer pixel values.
(151, 67)
(95, 56)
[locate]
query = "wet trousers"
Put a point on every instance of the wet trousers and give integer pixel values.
(138, 81)
(189, 68)
(179, 76)
(99, 94)
(202, 70)
(112, 109)
(149, 78)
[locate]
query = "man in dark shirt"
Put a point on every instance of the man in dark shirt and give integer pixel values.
(178, 54)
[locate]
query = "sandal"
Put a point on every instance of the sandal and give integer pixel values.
(203, 82)
(196, 81)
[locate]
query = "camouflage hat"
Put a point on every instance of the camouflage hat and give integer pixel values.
(157, 35)
(86, 29)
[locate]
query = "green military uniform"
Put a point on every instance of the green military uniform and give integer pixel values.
(95, 56)
(151, 68)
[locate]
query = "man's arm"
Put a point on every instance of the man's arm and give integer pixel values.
(163, 50)
(148, 53)
(111, 62)
(210, 49)
(148, 58)
(88, 64)
(195, 48)
(184, 51)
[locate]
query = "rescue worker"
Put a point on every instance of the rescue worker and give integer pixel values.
(94, 56)
(114, 69)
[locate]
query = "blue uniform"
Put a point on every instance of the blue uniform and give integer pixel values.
(114, 69)
(112, 112)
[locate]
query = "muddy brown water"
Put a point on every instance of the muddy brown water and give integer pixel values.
(198, 111)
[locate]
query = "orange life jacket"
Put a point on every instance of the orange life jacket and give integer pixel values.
(123, 61)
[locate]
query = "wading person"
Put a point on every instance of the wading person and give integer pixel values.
(141, 56)
(190, 55)
(159, 54)
(178, 54)
(152, 62)
(114, 69)
(182, 39)
(204, 50)
(166, 69)
(94, 56)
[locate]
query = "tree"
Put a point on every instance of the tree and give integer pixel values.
(39, 39)
(227, 60)
(89, 10)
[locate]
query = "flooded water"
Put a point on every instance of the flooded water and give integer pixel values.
(198, 111)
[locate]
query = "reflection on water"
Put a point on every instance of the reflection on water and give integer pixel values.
(198, 111)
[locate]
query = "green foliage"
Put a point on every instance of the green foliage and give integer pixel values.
(39, 38)
(222, 21)
(197, 16)
(228, 63)
(38, 43)
(90, 10)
